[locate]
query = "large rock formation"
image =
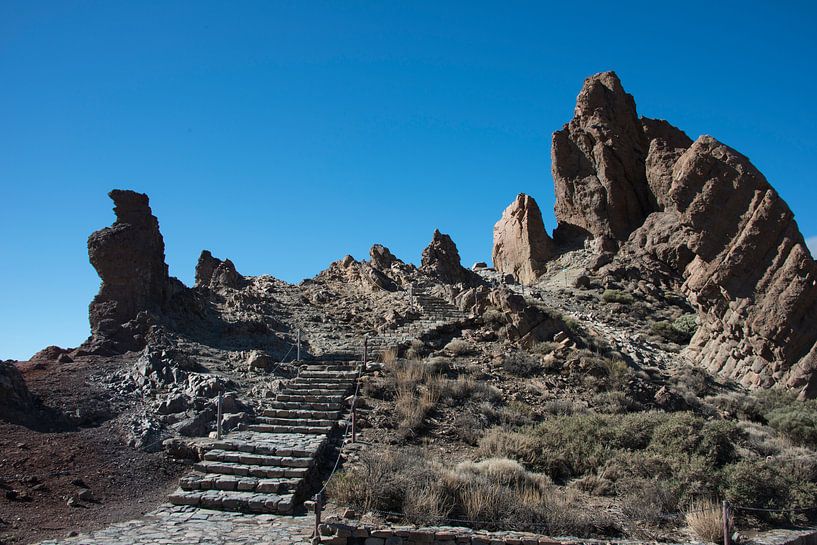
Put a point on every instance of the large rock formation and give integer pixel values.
(442, 260)
(699, 216)
(129, 257)
(212, 272)
(522, 247)
(598, 165)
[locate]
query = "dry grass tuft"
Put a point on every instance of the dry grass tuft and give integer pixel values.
(389, 356)
(705, 519)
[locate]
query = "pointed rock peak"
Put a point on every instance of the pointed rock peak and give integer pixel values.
(441, 259)
(522, 247)
(381, 257)
(347, 261)
(213, 272)
(603, 93)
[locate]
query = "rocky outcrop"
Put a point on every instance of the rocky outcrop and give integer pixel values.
(522, 247)
(212, 272)
(381, 257)
(129, 258)
(442, 261)
(598, 165)
(16, 402)
(697, 216)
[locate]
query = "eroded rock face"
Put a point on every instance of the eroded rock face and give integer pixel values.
(698, 216)
(212, 272)
(522, 247)
(442, 260)
(129, 257)
(598, 164)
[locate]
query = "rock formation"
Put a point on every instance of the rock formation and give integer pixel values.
(212, 272)
(381, 257)
(442, 260)
(129, 257)
(698, 215)
(522, 247)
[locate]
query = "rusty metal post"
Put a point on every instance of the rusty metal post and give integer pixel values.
(354, 423)
(727, 536)
(220, 410)
(365, 351)
(318, 507)
(298, 358)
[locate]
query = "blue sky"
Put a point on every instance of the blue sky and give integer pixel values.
(284, 135)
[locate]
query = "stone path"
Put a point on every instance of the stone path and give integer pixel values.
(179, 525)
(273, 466)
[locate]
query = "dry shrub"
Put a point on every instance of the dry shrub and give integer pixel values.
(389, 355)
(705, 519)
(459, 347)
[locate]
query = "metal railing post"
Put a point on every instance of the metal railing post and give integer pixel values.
(354, 412)
(365, 350)
(727, 538)
(220, 416)
(318, 507)
(298, 357)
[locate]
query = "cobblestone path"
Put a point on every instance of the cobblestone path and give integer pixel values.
(184, 525)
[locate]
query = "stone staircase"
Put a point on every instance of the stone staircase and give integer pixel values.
(273, 465)
(436, 312)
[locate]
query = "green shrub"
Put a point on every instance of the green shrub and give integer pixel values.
(758, 484)
(798, 423)
(686, 324)
(666, 330)
(617, 296)
(684, 434)
(522, 364)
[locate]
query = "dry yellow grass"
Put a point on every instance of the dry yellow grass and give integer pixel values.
(389, 356)
(705, 519)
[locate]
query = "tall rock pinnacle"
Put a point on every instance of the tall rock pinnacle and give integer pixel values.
(522, 247)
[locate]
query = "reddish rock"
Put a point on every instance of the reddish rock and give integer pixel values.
(381, 257)
(522, 247)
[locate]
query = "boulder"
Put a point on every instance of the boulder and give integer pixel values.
(442, 261)
(522, 247)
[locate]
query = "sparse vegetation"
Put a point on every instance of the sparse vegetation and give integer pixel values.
(522, 364)
(705, 519)
(617, 296)
(679, 331)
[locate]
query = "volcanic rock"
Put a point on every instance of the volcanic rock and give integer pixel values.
(129, 257)
(522, 247)
(598, 165)
(696, 216)
(212, 272)
(16, 402)
(381, 257)
(442, 260)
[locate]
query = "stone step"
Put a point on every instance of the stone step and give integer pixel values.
(218, 455)
(278, 421)
(250, 470)
(330, 368)
(314, 391)
(294, 413)
(213, 481)
(270, 445)
(243, 502)
(339, 375)
(266, 428)
(306, 385)
(322, 398)
(299, 405)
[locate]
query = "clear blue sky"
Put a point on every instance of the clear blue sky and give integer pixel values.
(284, 135)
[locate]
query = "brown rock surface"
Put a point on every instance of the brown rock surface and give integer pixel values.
(213, 272)
(16, 402)
(381, 257)
(129, 257)
(598, 164)
(700, 217)
(522, 247)
(442, 260)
